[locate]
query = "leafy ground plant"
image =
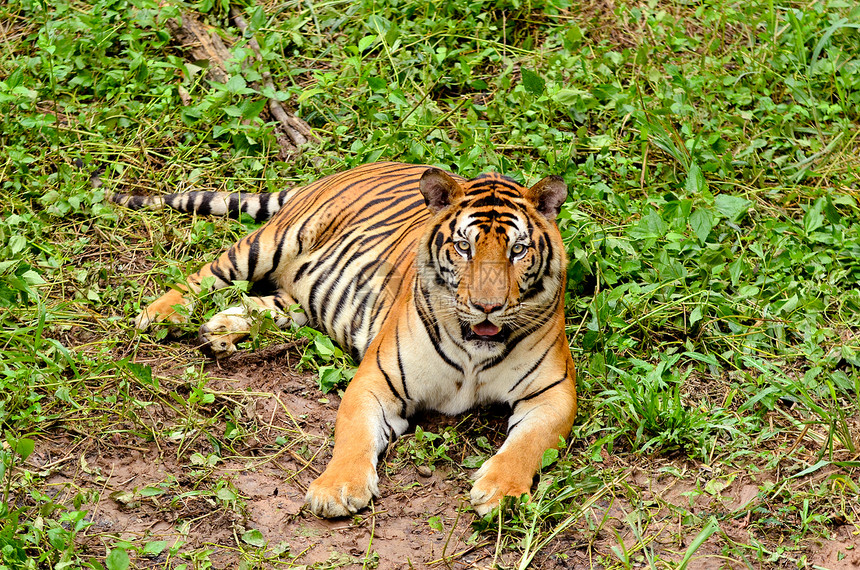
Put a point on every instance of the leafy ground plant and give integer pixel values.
(712, 153)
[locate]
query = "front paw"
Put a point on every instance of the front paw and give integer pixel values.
(495, 479)
(340, 492)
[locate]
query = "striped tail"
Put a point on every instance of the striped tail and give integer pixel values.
(258, 206)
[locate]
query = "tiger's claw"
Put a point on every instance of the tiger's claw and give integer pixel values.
(336, 494)
(493, 482)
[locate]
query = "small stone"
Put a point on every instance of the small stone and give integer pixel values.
(424, 471)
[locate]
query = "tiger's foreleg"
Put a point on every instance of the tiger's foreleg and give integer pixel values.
(536, 425)
(219, 336)
(369, 417)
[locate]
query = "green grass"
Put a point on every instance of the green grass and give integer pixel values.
(713, 227)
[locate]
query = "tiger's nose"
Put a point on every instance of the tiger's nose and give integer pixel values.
(486, 306)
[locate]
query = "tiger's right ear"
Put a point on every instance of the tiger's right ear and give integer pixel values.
(439, 189)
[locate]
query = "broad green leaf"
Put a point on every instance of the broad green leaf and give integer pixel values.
(532, 82)
(435, 523)
(814, 217)
(472, 462)
(715, 485)
(736, 269)
(236, 84)
(142, 372)
(324, 346)
(696, 315)
(251, 109)
(154, 548)
(254, 537)
(650, 226)
(305, 95)
(702, 222)
(789, 306)
(329, 378)
(17, 243)
(732, 207)
(117, 559)
(32, 277)
(696, 183)
(573, 36)
(24, 447)
(366, 42)
(225, 494)
(549, 457)
(377, 84)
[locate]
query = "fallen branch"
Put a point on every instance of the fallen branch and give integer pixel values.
(298, 130)
(204, 43)
(191, 34)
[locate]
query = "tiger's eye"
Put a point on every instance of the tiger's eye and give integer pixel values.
(518, 249)
(463, 246)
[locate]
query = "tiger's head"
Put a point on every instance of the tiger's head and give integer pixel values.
(492, 261)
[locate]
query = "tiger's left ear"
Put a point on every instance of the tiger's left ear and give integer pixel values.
(547, 196)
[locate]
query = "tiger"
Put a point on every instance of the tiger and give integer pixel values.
(450, 291)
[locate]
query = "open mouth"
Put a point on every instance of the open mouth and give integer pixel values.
(485, 331)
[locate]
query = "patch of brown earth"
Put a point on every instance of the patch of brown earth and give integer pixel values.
(165, 490)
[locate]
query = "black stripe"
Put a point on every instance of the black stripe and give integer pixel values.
(234, 205)
(363, 247)
(400, 362)
(391, 385)
(483, 217)
(542, 390)
(391, 434)
(496, 182)
(253, 255)
(301, 270)
(324, 261)
(534, 290)
(280, 300)
(432, 328)
(234, 260)
(263, 212)
(204, 208)
(135, 202)
(513, 427)
(517, 337)
(405, 214)
(549, 252)
(276, 259)
(534, 367)
(213, 269)
(328, 270)
(492, 201)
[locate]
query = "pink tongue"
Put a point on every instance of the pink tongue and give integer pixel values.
(485, 329)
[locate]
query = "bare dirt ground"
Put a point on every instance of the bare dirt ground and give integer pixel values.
(141, 485)
(268, 480)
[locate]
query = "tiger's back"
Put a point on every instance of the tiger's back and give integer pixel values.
(355, 235)
(341, 247)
